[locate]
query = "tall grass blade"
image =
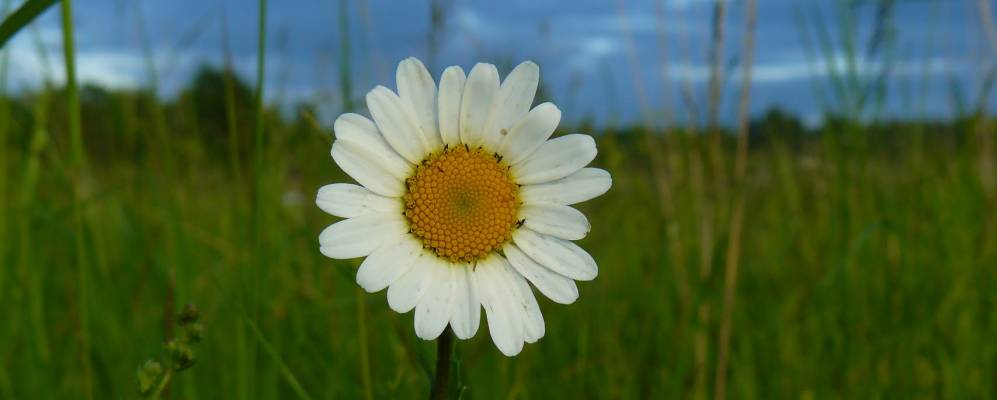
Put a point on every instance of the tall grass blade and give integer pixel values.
(288, 375)
(231, 118)
(715, 91)
(4, 127)
(252, 284)
(78, 165)
(21, 17)
(736, 221)
(345, 77)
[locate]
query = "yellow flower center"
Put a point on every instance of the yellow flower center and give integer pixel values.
(462, 203)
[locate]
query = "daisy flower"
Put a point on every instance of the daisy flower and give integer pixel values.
(463, 201)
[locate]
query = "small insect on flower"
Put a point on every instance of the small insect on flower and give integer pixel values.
(464, 201)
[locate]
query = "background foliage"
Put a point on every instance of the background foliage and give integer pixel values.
(867, 260)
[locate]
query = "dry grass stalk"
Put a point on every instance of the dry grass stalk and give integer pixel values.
(736, 222)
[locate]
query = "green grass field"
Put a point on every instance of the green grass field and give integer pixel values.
(866, 262)
(867, 271)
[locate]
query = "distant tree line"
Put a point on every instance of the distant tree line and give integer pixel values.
(214, 111)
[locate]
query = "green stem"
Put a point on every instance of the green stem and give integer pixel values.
(252, 277)
(364, 348)
(444, 353)
(345, 83)
(4, 121)
(260, 73)
(162, 384)
(230, 106)
(258, 148)
(78, 163)
(72, 92)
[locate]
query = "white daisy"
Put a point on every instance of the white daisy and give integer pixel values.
(463, 200)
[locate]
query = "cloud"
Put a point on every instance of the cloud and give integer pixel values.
(35, 59)
(685, 4)
(792, 70)
(579, 42)
(110, 69)
(472, 22)
(588, 52)
(614, 22)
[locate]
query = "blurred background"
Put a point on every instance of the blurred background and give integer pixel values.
(804, 200)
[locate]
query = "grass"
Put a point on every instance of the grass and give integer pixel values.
(863, 274)
(863, 259)
(79, 178)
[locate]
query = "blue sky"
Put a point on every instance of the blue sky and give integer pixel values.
(615, 61)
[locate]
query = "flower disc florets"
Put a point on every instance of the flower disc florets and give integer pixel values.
(462, 203)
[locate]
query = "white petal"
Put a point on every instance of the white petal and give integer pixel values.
(397, 122)
(466, 311)
(511, 103)
(556, 220)
(451, 92)
(359, 236)
(476, 104)
(365, 168)
(559, 255)
(417, 88)
(526, 305)
(529, 133)
(387, 263)
(348, 201)
(405, 293)
(555, 286)
(361, 132)
(505, 326)
(433, 312)
(575, 188)
(556, 159)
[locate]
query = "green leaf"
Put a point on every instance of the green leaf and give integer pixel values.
(28, 11)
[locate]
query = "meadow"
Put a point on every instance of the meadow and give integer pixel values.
(855, 259)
